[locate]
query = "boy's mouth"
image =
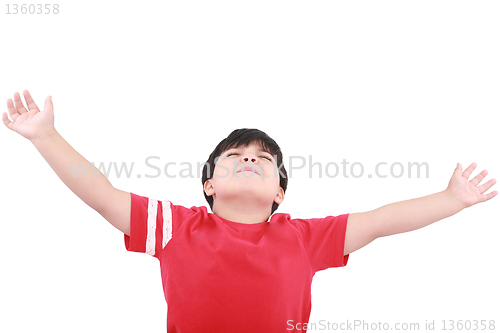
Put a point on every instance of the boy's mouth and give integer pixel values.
(249, 169)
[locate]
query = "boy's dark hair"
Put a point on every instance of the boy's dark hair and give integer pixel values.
(244, 137)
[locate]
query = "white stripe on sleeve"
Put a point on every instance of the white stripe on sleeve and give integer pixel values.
(167, 223)
(151, 231)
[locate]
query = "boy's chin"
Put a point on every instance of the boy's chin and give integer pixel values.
(249, 194)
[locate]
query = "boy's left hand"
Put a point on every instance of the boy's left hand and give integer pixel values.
(467, 192)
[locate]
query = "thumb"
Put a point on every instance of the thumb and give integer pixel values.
(457, 173)
(49, 106)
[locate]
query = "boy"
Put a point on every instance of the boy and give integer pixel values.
(239, 269)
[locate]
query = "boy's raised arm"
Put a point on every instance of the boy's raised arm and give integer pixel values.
(92, 187)
(399, 217)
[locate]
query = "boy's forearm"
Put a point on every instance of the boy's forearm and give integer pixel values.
(92, 187)
(414, 214)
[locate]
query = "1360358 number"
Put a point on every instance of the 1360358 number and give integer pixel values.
(32, 9)
(469, 325)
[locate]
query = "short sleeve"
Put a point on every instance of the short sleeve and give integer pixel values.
(324, 240)
(150, 225)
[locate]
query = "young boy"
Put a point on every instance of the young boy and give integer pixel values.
(242, 268)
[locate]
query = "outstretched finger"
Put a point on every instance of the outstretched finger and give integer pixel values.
(488, 196)
(6, 120)
(12, 110)
(476, 180)
(19, 104)
(486, 186)
(30, 102)
(469, 170)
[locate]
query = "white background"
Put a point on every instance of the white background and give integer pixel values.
(365, 81)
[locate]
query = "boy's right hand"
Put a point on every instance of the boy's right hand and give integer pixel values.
(30, 123)
(96, 190)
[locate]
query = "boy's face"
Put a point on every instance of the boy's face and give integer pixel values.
(244, 173)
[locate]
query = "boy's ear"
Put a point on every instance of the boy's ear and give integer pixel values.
(280, 196)
(208, 188)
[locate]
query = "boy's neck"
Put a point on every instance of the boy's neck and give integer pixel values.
(245, 215)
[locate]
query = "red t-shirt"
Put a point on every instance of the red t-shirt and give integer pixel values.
(223, 276)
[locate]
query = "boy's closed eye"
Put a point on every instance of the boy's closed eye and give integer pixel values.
(267, 157)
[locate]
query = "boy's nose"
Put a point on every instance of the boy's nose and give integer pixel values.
(249, 158)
